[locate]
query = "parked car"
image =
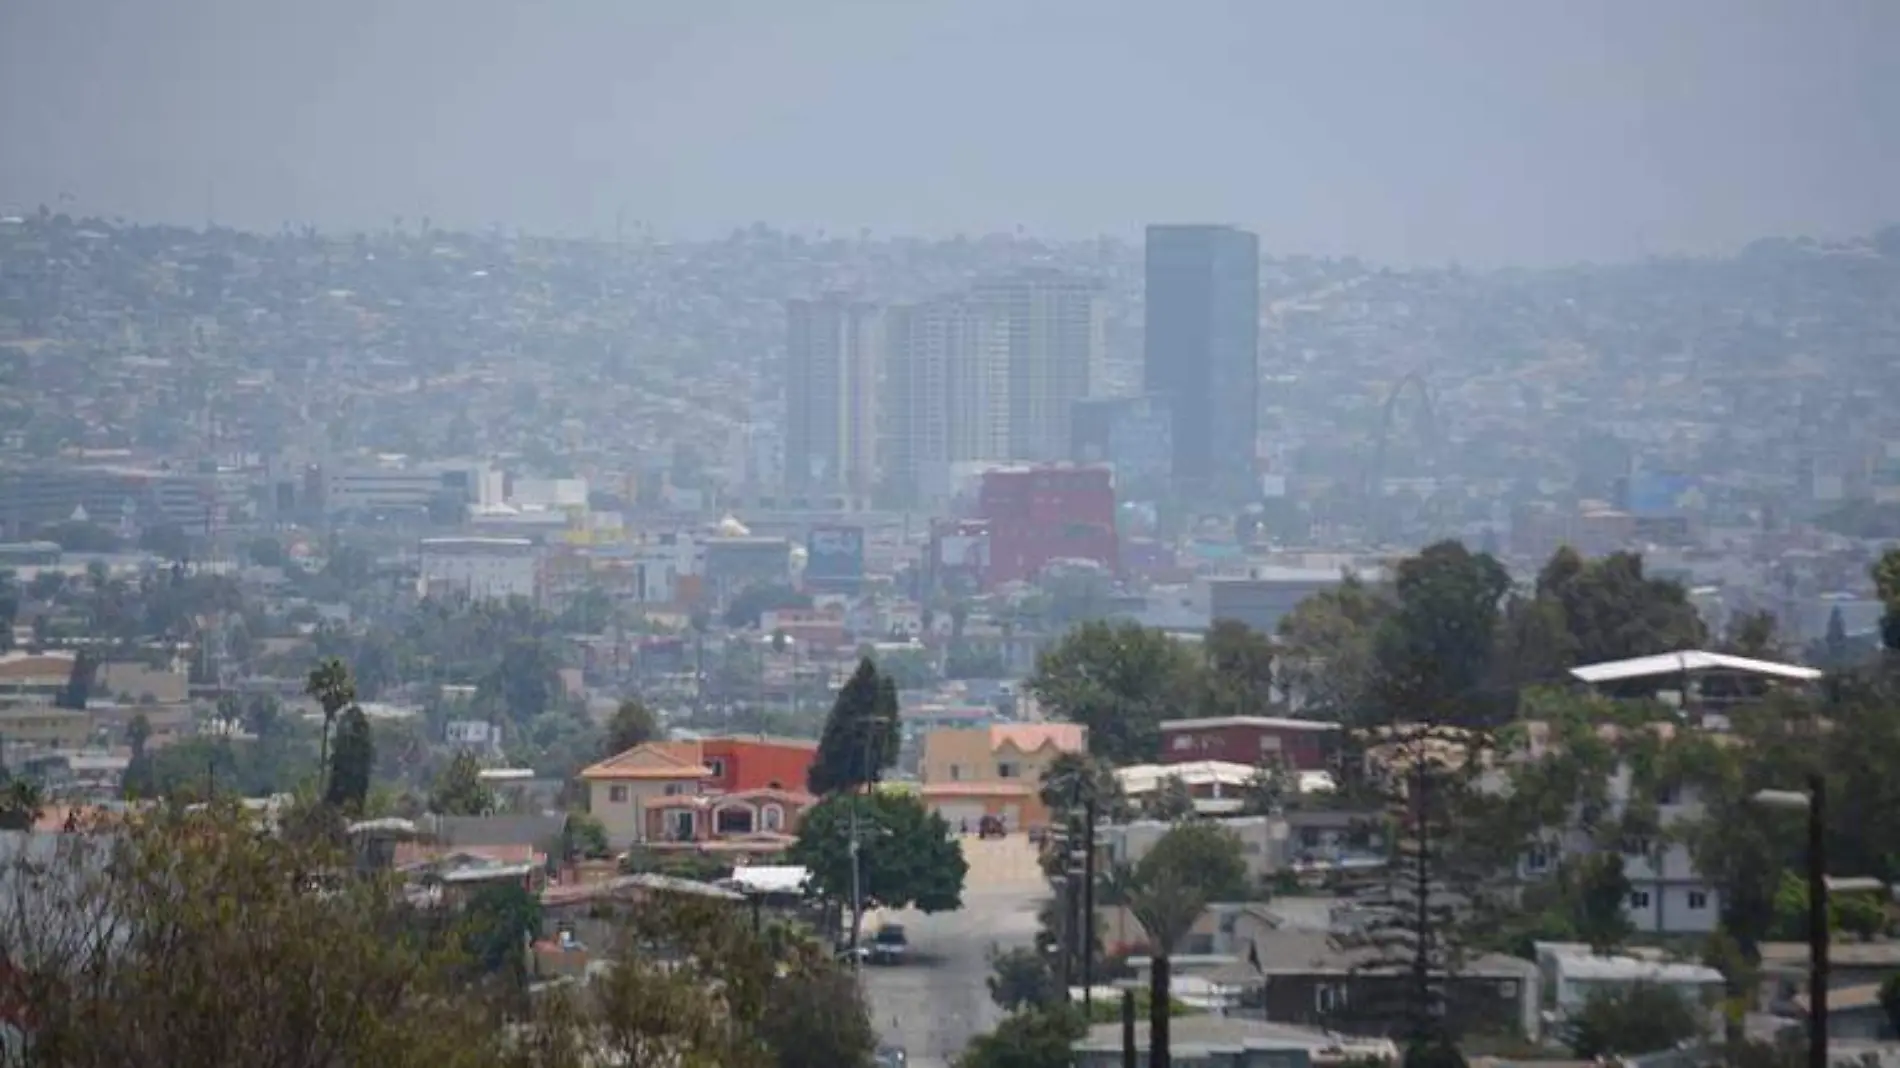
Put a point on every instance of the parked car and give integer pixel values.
(892, 1057)
(991, 827)
(889, 945)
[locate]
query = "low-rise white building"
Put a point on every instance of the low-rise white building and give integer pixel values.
(1571, 973)
(480, 568)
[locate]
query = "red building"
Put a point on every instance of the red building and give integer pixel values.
(741, 765)
(1298, 744)
(1041, 514)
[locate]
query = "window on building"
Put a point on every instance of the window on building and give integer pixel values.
(617, 794)
(1698, 900)
(1668, 793)
(1329, 998)
(1198, 945)
(1183, 742)
(1228, 920)
(1008, 769)
(717, 765)
(1537, 860)
(1636, 846)
(677, 789)
(1269, 743)
(1639, 899)
(773, 818)
(956, 772)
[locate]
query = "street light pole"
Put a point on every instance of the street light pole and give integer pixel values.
(1814, 801)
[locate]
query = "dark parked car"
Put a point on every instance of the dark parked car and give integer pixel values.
(991, 827)
(889, 945)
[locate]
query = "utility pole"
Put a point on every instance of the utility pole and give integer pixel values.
(1818, 934)
(1128, 1027)
(869, 771)
(1088, 906)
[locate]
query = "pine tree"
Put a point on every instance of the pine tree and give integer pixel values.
(861, 734)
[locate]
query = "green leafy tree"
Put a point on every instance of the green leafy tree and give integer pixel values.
(21, 804)
(1754, 634)
(695, 985)
(1890, 1000)
(860, 737)
(1614, 611)
(633, 724)
(1630, 1021)
(148, 964)
(818, 1020)
(1034, 1038)
(1237, 676)
(1534, 645)
(352, 762)
(1435, 649)
(1602, 888)
(1886, 573)
(1020, 978)
(498, 924)
(1326, 661)
(1119, 680)
(1171, 801)
(586, 837)
(907, 857)
(459, 791)
(1210, 855)
(525, 682)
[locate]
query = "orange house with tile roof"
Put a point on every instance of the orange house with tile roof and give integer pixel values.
(994, 771)
(704, 790)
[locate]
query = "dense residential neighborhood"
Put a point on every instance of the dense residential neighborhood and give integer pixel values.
(789, 651)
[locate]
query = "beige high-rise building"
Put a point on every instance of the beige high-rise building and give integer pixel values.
(949, 400)
(834, 357)
(1057, 348)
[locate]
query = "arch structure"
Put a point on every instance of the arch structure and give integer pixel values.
(1413, 385)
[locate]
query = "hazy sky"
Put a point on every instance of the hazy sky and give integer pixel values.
(1410, 130)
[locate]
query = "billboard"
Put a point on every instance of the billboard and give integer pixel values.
(834, 557)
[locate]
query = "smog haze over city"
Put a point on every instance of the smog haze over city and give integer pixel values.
(949, 533)
(1478, 131)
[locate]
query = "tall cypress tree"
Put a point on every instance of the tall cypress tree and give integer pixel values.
(860, 736)
(351, 761)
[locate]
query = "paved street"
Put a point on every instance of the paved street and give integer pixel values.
(934, 1003)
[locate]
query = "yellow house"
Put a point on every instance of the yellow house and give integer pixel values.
(621, 788)
(968, 774)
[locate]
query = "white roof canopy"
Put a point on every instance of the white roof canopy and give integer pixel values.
(1689, 662)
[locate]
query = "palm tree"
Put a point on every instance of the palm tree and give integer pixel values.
(1167, 902)
(331, 685)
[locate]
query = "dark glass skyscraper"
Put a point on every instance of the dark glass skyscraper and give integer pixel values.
(1202, 348)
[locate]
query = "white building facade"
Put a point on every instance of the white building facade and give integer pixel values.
(480, 568)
